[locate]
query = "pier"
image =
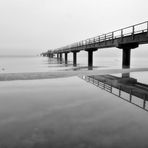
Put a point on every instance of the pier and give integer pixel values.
(125, 39)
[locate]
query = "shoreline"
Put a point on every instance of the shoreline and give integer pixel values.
(63, 74)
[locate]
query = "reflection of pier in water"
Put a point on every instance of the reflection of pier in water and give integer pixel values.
(121, 87)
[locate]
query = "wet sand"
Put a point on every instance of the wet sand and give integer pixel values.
(61, 74)
(67, 113)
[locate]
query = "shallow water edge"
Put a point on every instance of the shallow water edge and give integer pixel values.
(60, 74)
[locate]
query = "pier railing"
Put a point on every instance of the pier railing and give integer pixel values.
(119, 89)
(120, 33)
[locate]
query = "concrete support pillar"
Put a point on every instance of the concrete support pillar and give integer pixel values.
(74, 58)
(126, 55)
(49, 55)
(57, 55)
(66, 57)
(90, 59)
(126, 52)
(60, 56)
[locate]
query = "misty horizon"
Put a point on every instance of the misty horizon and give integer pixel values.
(35, 26)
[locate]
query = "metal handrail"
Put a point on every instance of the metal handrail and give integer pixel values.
(107, 36)
(109, 88)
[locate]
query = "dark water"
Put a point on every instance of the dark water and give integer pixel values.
(67, 113)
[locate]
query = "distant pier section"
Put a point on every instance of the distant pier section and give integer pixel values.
(125, 39)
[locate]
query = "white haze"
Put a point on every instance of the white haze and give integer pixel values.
(32, 26)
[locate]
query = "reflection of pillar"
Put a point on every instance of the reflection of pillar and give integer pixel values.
(66, 57)
(126, 57)
(125, 75)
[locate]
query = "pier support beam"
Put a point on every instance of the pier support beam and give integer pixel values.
(50, 55)
(60, 56)
(57, 55)
(126, 56)
(126, 53)
(66, 57)
(75, 58)
(90, 58)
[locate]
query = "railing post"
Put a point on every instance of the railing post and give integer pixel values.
(133, 31)
(93, 79)
(111, 88)
(89, 41)
(119, 91)
(147, 28)
(98, 83)
(103, 85)
(112, 37)
(105, 38)
(99, 40)
(121, 34)
(130, 96)
(85, 43)
(144, 101)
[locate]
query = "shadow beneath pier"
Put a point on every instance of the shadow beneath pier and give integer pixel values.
(124, 87)
(79, 68)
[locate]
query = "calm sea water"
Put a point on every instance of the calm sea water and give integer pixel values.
(67, 112)
(43, 64)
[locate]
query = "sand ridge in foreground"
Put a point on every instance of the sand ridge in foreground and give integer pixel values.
(62, 74)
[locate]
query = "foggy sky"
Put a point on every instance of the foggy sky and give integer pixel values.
(33, 26)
